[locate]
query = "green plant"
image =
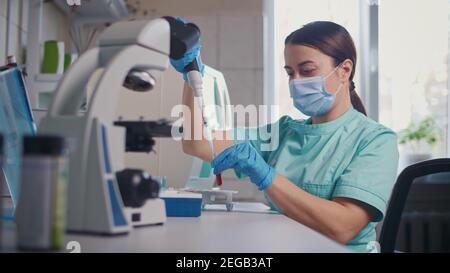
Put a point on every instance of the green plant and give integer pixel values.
(425, 130)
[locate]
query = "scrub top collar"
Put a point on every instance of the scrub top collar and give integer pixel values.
(306, 126)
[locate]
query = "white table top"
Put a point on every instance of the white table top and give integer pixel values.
(213, 231)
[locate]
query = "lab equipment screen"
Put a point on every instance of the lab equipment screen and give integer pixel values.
(16, 120)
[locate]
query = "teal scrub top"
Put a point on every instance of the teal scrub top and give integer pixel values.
(351, 156)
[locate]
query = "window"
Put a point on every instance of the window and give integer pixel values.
(413, 54)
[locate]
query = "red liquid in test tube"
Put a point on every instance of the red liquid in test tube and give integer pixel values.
(219, 180)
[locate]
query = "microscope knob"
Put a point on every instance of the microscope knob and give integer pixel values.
(136, 186)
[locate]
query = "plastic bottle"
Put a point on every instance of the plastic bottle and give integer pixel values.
(41, 209)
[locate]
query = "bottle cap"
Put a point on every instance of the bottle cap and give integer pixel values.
(43, 145)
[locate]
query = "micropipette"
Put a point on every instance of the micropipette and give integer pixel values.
(185, 37)
(196, 82)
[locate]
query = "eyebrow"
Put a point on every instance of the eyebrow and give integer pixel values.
(300, 64)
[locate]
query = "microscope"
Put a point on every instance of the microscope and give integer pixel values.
(104, 196)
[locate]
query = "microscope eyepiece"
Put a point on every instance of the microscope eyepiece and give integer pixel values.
(140, 81)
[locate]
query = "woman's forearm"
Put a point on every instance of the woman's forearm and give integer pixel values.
(340, 221)
(194, 142)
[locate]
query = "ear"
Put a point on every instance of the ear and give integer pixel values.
(346, 70)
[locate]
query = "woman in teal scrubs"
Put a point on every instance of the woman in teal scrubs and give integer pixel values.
(333, 172)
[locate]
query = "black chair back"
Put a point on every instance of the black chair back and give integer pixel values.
(399, 195)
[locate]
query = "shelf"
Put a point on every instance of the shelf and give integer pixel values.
(48, 77)
(107, 10)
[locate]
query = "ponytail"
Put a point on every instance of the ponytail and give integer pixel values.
(356, 100)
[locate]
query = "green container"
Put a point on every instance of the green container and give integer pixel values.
(67, 61)
(53, 61)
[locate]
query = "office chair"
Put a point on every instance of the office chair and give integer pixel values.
(399, 195)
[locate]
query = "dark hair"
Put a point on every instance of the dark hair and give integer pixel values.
(332, 40)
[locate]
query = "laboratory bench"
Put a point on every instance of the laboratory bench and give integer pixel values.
(215, 231)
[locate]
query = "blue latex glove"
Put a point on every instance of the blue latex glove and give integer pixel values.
(189, 56)
(244, 158)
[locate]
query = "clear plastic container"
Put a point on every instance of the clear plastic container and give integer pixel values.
(41, 210)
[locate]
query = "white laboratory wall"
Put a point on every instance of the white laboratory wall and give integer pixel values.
(16, 30)
(55, 26)
(232, 43)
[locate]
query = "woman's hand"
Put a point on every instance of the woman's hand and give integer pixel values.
(244, 158)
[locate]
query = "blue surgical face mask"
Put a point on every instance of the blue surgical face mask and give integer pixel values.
(310, 97)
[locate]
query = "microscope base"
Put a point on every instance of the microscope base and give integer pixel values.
(153, 212)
